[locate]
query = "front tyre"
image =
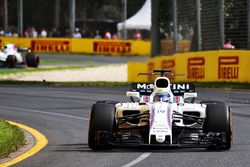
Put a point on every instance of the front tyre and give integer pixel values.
(11, 61)
(219, 120)
(32, 60)
(102, 119)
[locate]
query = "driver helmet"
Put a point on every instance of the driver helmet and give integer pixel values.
(161, 97)
(5, 48)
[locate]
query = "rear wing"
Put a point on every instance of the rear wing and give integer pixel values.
(178, 89)
(24, 50)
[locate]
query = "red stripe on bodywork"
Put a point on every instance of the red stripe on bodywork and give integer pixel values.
(169, 117)
(152, 116)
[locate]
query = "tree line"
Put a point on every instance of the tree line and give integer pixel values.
(42, 13)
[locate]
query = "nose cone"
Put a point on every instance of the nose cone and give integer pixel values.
(160, 138)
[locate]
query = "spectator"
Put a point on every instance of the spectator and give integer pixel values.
(107, 35)
(43, 33)
(228, 44)
(34, 33)
(137, 35)
(8, 33)
(27, 32)
(55, 33)
(77, 33)
(84, 34)
(15, 34)
(97, 35)
(1, 32)
(114, 36)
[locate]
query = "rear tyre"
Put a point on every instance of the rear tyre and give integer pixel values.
(108, 102)
(212, 102)
(219, 119)
(102, 119)
(11, 61)
(32, 60)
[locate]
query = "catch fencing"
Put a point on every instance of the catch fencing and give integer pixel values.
(201, 25)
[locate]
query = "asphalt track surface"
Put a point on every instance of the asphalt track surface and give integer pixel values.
(87, 60)
(62, 113)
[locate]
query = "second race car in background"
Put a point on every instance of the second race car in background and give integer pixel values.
(11, 56)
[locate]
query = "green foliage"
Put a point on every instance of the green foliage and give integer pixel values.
(44, 14)
(11, 138)
(134, 6)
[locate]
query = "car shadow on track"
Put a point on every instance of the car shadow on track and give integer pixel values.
(83, 147)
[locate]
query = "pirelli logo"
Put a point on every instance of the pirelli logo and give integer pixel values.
(112, 47)
(196, 68)
(50, 45)
(228, 67)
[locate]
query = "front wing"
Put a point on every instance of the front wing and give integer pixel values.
(192, 140)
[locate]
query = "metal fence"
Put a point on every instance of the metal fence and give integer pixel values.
(199, 25)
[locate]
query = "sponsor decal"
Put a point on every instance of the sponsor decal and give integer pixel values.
(50, 45)
(144, 86)
(228, 67)
(181, 86)
(112, 47)
(169, 65)
(196, 68)
(177, 88)
(1, 44)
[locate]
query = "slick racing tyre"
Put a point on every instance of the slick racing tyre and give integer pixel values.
(32, 60)
(108, 102)
(219, 120)
(102, 120)
(212, 102)
(11, 61)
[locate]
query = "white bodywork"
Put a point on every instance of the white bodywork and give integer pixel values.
(10, 49)
(161, 113)
(161, 121)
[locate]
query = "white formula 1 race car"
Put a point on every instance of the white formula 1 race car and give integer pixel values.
(11, 56)
(160, 114)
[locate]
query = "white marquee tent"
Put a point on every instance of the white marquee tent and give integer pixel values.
(141, 20)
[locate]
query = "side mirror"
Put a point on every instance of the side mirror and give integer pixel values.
(190, 95)
(134, 96)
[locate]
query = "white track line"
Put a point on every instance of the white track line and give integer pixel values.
(44, 112)
(137, 160)
(130, 164)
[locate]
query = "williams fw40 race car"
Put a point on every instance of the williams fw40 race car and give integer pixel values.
(11, 56)
(161, 114)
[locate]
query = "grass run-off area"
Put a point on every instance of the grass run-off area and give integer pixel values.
(11, 138)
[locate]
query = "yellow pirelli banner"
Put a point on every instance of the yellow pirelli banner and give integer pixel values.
(212, 66)
(89, 46)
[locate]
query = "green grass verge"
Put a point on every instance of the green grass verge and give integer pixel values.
(11, 138)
